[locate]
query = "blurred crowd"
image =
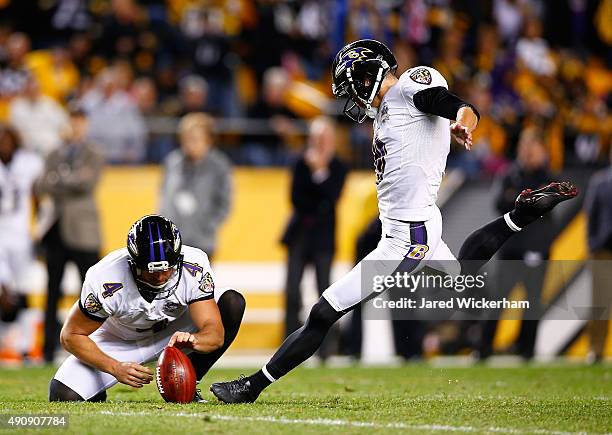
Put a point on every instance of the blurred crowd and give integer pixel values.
(262, 67)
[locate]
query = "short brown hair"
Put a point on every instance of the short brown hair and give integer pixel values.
(195, 120)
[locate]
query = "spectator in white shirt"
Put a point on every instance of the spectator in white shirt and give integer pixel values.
(40, 120)
(533, 51)
(116, 123)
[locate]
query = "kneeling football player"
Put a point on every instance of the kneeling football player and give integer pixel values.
(138, 300)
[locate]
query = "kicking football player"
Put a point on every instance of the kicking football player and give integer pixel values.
(412, 135)
(138, 300)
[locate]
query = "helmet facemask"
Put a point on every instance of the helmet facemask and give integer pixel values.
(154, 244)
(364, 81)
(152, 291)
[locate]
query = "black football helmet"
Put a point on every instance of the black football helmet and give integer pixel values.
(357, 73)
(154, 244)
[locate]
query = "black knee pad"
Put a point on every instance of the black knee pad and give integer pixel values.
(323, 315)
(100, 397)
(59, 392)
(232, 305)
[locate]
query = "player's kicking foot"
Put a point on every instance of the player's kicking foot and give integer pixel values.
(533, 204)
(237, 391)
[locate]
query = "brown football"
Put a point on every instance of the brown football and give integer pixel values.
(175, 376)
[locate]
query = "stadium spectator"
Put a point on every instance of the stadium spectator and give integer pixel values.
(450, 60)
(598, 206)
(144, 94)
(115, 121)
(19, 169)
(269, 149)
(121, 27)
(15, 73)
(588, 132)
(57, 75)
(9, 302)
(522, 257)
(488, 152)
(310, 236)
(509, 16)
(79, 47)
(268, 28)
(71, 16)
(196, 190)
(208, 45)
(39, 119)
(366, 20)
(193, 94)
(533, 51)
(70, 177)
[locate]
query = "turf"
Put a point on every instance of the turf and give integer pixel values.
(410, 399)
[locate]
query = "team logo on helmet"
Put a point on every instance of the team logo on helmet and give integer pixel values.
(92, 305)
(422, 76)
(132, 242)
(357, 53)
(177, 238)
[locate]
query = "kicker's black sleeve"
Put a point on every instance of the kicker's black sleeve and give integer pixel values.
(439, 101)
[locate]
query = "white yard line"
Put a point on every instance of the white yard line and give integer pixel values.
(345, 423)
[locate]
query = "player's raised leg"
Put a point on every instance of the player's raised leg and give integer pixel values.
(530, 205)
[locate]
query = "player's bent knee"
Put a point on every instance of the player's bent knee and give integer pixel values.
(100, 397)
(323, 315)
(232, 304)
(59, 392)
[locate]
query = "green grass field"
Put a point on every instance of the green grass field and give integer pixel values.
(410, 399)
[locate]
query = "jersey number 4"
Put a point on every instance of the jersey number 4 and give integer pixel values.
(380, 151)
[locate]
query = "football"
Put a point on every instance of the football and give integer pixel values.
(175, 376)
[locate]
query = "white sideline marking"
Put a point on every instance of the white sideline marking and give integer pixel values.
(349, 423)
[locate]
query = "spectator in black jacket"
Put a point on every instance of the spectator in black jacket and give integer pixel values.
(270, 148)
(529, 248)
(318, 177)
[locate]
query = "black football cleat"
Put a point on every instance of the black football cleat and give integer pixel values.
(237, 391)
(536, 203)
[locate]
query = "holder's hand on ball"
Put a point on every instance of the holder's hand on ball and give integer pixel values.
(182, 340)
(132, 374)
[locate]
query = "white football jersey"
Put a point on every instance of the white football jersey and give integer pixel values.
(16, 180)
(410, 149)
(110, 292)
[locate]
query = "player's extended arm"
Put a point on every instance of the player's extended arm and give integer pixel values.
(440, 102)
(206, 317)
(75, 339)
